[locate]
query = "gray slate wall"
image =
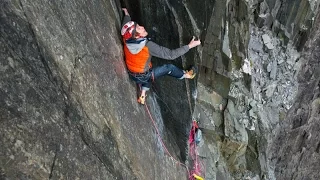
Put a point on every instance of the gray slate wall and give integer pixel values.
(68, 109)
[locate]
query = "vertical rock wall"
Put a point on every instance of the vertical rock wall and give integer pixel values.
(248, 69)
(295, 151)
(68, 108)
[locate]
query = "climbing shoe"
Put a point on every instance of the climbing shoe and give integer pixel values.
(192, 72)
(142, 100)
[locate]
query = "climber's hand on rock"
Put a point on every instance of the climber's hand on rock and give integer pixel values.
(193, 43)
(125, 11)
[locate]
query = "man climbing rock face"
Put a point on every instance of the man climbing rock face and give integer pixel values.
(138, 51)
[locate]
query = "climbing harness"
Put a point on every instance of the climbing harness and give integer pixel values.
(142, 77)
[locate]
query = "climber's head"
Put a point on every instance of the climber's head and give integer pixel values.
(132, 30)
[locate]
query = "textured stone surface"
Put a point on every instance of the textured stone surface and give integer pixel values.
(68, 109)
(260, 100)
(295, 151)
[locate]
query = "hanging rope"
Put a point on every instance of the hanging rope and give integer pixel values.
(198, 166)
(162, 143)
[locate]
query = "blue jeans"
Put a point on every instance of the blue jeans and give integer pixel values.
(145, 79)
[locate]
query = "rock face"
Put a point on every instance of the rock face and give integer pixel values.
(248, 70)
(68, 109)
(295, 151)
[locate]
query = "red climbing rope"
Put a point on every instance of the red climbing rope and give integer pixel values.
(162, 143)
(198, 167)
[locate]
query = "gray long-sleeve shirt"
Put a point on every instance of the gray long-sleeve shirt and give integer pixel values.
(165, 53)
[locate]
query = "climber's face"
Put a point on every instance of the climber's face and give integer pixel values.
(141, 31)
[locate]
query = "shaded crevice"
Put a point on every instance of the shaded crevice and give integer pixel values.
(318, 148)
(105, 161)
(110, 159)
(41, 57)
(223, 119)
(48, 72)
(81, 132)
(252, 153)
(303, 139)
(53, 164)
(70, 111)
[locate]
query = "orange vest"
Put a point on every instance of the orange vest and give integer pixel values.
(137, 63)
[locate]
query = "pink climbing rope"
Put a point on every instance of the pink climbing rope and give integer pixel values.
(198, 167)
(162, 143)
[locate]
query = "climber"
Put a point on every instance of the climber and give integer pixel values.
(138, 50)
